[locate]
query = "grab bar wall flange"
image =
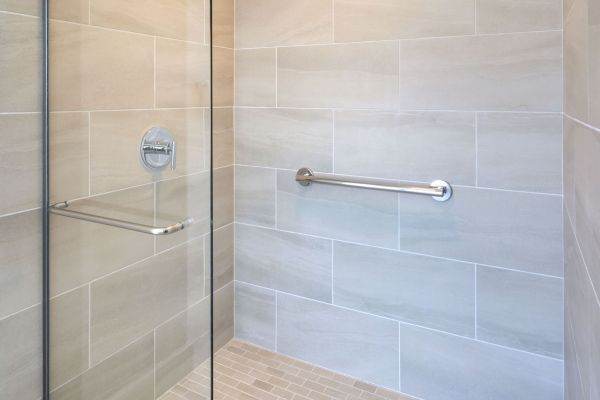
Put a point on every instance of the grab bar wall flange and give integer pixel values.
(62, 209)
(439, 190)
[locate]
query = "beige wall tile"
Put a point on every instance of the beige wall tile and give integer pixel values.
(69, 335)
(361, 75)
(594, 62)
(70, 10)
(20, 262)
(82, 251)
(223, 257)
(495, 16)
(129, 303)
(256, 77)
(222, 77)
(20, 162)
(260, 23)
(182, 74)
(222, 136)
(223, 313)
(496, 72)
(94, 68)
(223, 23)
(69, 156)
(115, 142)
(28, 7)
(357, 20)
(181, 19)
(223, 196)
(20, 61)
(576, 61)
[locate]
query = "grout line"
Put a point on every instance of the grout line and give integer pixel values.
(12, 214)
(19, 311)
(396, 110)
(592, 127)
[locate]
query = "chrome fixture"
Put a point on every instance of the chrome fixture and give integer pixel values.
(63, 209)
(439, 190)
(158, 148)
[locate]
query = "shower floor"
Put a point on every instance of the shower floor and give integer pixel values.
(247, 372)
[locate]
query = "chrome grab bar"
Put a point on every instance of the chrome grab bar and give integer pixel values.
(62, 209)
(439, 190)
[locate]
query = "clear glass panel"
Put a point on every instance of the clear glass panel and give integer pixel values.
(129, 152)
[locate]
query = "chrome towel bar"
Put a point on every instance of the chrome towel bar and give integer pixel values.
(439, 190)
(63, 209)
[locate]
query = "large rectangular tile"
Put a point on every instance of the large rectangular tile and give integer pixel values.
(69, 156)
(256, 77)
(399, 145)
(179, 20)
(284, 138)
(21, 361)
(70, 10)
(223, 259)
(336, 338)
(255, 315)
(507, 229)
(223, 312)
(391, 19)
(129, 303)
(263, 23)
(222, 77)
(348, 214)
(115, 146)
(422, 290)
(223, 196)
(490, 72)
(362, 75)
(520, 151)
(21, 162)
(520, 310)
(576, 61)
(20, 262)
(126, 375)
(20, 60)
(82, 251)
(27, 7)
(287, 262)
(470, 370)
(98, 69)
(222, 137)
(223, 13)
(255, 195)
(69, 335)
(573, 386)
(594, 62)
(182, 344)
(497, 16)
(182, 74)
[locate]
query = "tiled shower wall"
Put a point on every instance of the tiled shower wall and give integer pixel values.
(126, 308)
(456, 300)
(582, 218)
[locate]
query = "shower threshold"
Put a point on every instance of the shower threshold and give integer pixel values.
(247, 372)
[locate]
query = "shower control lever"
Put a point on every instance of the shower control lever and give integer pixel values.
(158, 149)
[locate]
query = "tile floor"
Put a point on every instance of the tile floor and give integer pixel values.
(247, 372)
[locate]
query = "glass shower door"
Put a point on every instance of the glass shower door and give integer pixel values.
(130, 192)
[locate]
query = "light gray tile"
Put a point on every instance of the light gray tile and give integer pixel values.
(470, 370)
(222, 77)
(223, 312)
(595, 351)
(490, 72)
(361, 75)
(126, 375)
(389, 19)
(223, 260)
(349, 214)
(422, 290)
(131, 302)
(223, 196)
(255, 315)
(573, 385)
(336, 338)
(284, 138)
(262, 23)
(507, 229)
(519, 310)
(576, 60)
(283, 261)
(256, 77)
(83, 251)
(69, 335)
(255, 195)
(569, 141)
(180, 199)
(406, 146)
(222, 136)
(496, 16)
(520, 151)
(20, 60)
(182, 344)
(20, 262)
(28, 7)
(594, 62)
(21, 361)
(20, 161)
